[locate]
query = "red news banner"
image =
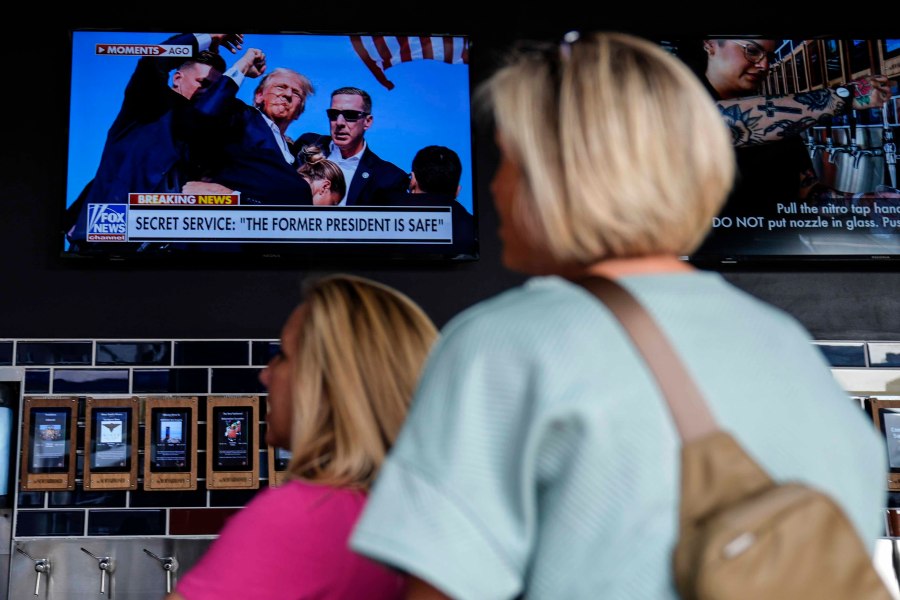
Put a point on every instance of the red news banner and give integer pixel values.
(222, 218)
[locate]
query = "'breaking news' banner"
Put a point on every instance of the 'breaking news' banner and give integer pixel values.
(204, 221)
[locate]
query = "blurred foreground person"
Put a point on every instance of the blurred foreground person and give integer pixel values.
(338, 393)
(539, 458)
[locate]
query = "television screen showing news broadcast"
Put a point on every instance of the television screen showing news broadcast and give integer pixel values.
(275, 145)
(814, 122)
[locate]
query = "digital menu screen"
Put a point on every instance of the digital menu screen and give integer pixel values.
(111, 442)
(170, 430)
(50, 441)
(232, 427)
(282, 459)
(890, 425)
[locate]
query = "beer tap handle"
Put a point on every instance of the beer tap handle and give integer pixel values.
(41, 567)
(105, 564)
(169, 565)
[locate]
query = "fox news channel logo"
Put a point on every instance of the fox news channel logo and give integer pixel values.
(106, 222)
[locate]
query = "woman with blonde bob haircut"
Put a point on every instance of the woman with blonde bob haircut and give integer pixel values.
(351, 354)
(624, 157)
(541, 460)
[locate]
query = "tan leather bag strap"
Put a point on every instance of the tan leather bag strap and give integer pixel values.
(692, 417)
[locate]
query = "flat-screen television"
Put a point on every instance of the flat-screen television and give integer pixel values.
(809, 187)
(294, 146)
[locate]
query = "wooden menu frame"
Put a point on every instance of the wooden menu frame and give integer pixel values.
(53, 420)
(879, 409)
(276, 476)
(236, 468)
(122, 477)
(175, 472)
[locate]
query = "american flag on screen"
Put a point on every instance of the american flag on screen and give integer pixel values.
(380, 52)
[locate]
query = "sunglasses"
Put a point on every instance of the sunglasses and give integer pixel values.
(351, 116)
(754, 53)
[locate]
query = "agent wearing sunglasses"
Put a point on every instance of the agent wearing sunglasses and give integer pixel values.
(372, 179)
(774, 166)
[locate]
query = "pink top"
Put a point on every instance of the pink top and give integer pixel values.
(288, 543)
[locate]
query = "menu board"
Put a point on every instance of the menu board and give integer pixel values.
(110, 442)
(170, 444)
(232, 444)
(48, 448)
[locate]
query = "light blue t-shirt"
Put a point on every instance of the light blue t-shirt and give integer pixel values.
(539, 456)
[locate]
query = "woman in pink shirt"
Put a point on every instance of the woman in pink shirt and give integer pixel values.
(339, 389)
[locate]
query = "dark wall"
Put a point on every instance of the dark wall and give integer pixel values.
(43, 296)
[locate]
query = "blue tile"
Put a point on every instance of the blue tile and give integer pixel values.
(53, 353)
(893, 500)
(126, 522)
(134, 353)
(163, 499)
(84, 499)
(236, 381)
(231, 497)
(31, 499)
(211, 353)
(263, 352)
(6, 353)
(172, 381)
(884, 354)
(37, 381)
(844, 355)
(90, 381)
(49, 522)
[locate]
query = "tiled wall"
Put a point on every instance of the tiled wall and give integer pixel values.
(110, 368)
(143, 368)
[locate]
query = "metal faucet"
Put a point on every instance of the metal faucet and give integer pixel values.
(169, 565)
(41, 567)
(106, 567)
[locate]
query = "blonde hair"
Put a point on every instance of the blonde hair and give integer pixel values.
(361, 347)
(622, 151)
(316, 166)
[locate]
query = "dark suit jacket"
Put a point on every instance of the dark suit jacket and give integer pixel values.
(146, 147)
(465, 235)
(238, 149)
(375, 179)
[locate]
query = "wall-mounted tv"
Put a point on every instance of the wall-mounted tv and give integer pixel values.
(809, 187)
(294, 146)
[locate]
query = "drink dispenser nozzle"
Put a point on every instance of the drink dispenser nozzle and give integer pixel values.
(41, 567)
(890, 148)
(106, 567)
(169, 565)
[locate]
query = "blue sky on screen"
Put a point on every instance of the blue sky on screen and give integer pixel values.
(429, 105)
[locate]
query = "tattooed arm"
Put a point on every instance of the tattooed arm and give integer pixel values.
(759, 119)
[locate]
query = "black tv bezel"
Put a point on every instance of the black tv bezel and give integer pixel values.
(217, 411)
(33, 439)
(187, 415)
(303, 255)
(129, 443)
